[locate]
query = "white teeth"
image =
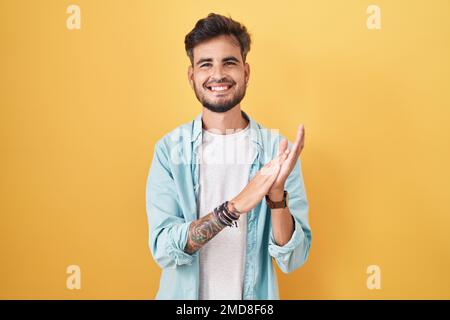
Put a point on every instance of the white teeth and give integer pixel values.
(219, 88)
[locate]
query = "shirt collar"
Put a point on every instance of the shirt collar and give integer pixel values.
(255, 134)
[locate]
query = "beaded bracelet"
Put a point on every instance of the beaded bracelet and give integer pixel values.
(225, 216)
(231, 214)
(220, 217)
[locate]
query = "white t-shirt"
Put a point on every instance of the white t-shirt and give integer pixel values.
(225, 161)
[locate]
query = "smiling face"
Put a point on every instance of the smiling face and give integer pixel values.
(219, 76)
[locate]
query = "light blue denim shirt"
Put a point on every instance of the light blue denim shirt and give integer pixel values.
(171, 203)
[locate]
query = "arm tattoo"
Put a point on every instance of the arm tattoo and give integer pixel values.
(201, 231)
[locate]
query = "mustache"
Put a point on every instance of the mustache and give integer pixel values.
(222, 81)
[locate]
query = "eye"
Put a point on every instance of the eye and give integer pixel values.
(229, 62)
(205, 64)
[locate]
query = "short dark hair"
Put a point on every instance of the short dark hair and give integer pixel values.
(215, 25)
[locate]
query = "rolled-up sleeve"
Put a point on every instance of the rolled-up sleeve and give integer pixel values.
(294, 253)
(168, 230)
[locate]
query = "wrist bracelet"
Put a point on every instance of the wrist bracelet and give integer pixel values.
(218, 214)
(225, 216)
(233, 215)
(219, 217)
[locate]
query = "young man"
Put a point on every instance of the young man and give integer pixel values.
(224, 195)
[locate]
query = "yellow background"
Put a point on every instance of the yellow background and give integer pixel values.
(82, 109)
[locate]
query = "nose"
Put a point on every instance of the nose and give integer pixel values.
(217, 72)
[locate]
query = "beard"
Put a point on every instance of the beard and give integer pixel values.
(222, 104)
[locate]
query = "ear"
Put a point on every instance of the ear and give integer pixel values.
(191, 76)
(246, 72)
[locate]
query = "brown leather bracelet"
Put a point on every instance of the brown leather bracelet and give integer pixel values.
(278, 204)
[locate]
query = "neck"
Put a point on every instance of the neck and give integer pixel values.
(220, 122)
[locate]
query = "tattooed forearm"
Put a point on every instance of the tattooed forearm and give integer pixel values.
(201, 231)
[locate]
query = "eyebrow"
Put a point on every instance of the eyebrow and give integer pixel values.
(230, 58)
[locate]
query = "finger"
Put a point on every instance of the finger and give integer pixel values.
(285, 155)
(282, 158)
(282, 147)
(299, 140)
(302, 141)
